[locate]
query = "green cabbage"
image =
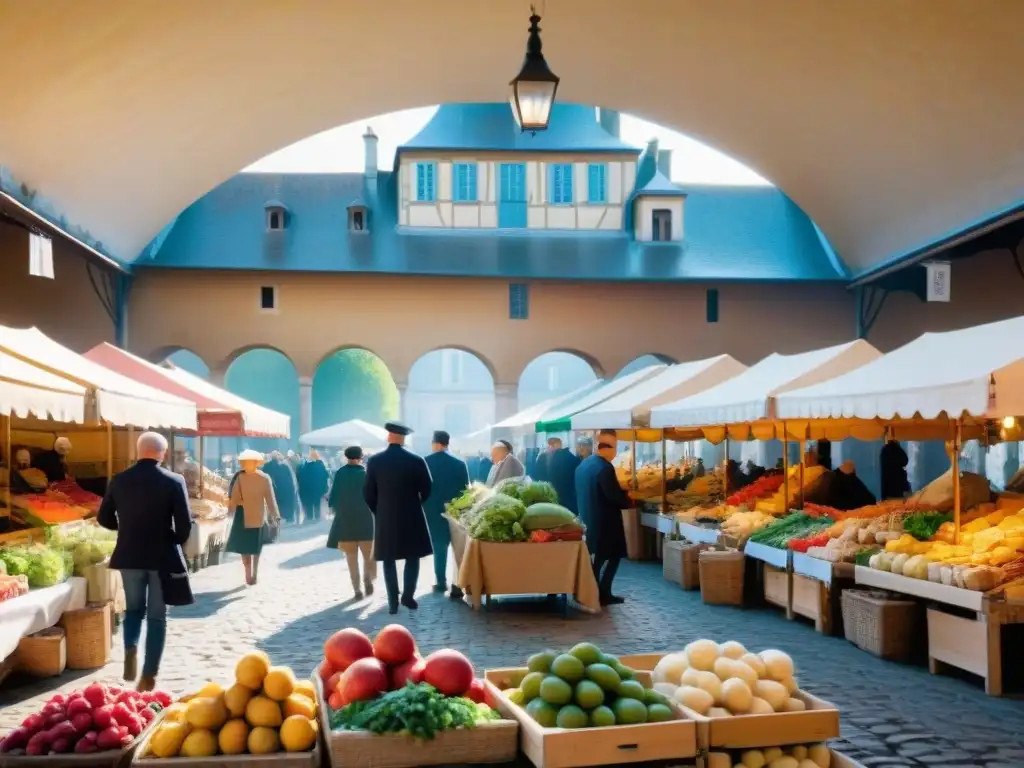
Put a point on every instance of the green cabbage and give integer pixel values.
(475, 493)
(43, 565)
(498, 519)
(513, 486)
(538, 493)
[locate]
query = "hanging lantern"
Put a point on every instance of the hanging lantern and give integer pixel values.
(532, 92)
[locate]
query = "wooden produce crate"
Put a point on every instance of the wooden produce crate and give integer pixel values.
(43, 654)
(777, 587)
(492, 742)
(613, 745)
(817, 586)
(309, 759)
(680, 563)
(114, 758)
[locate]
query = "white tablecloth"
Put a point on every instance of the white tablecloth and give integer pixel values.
(39, 609)
(202, 532)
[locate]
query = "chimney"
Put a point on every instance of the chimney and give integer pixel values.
(370, 153)
(665, 163)
(609, 120)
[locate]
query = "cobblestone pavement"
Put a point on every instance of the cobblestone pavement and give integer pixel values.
(892, 714)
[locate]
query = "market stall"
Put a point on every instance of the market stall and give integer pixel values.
(352, 432)
(559, 418)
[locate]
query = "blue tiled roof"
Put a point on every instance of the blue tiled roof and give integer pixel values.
(731, 233)
(481, 127)
(659, 186)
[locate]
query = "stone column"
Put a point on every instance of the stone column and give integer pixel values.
(506, 401)
(305, 404)
(403, 388)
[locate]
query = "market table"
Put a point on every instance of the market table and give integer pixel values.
(37, 610)
(523, 568)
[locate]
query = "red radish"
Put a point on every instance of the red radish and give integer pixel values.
(59, 746)
(55, 718)
(76, 706)
(163, 697)
(103, 717)
(346, 647)
(58, 698)
(33, 723)
(477, 692)
(364, 679)
(38, 744)
(53, 708)
(394, 644)
(448, 671)
(409, 672)
(16, 739)
(82, 721)
(85, 747)
(134, 725)
(109, 738)
(121, 713)
(91, 736)
(96, 695)
(63, 730)
(147, 715)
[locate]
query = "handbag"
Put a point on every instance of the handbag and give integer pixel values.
(176, 588)
(271, 530)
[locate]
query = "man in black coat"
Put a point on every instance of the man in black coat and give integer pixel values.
(397, 483)
(542, 466)
(562, 466)
(450, 477)
(601, 501)
(148, 507)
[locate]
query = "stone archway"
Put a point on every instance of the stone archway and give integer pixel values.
(552, 374)
(267, 377)
(351, 383)
(453, 389)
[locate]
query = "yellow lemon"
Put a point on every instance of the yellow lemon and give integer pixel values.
(279, 683)
(298, 705)
(261, 711)
(209, 691)
(206, 713)
(251, 669)
(175, 713)
(199, 743)
(167, 740)
(233, 737)
(305, 688)
(263, 741)
(235, 699)
(298, 734)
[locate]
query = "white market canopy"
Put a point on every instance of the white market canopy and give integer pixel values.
(745, 398)
(975, 371)
(118, 400)
(351, 432)
(631, 409)
(560, 419)
(528, 417)
(26, 390)
(257, 420)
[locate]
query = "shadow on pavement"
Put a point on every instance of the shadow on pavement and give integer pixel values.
(207, 604)
(310, 558)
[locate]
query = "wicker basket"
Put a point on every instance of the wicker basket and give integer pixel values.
(721, 577)
(44, 654)
(89, 636)
(881, 623)
(680, 563)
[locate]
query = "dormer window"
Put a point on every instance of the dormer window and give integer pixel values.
(358, 217)
(661, 225)
(277, 216)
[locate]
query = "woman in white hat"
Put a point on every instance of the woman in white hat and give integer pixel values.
(255, 509)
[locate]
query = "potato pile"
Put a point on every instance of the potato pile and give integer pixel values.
(721, 680)
(800, 756)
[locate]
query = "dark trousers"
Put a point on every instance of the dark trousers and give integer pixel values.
(410, 576)
(604, 571)
(311, 508)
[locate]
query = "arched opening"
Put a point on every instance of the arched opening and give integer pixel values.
(450, 389)
(353, 384)
(266, 377)
(189, 361)
(553, 374)
(644, 361)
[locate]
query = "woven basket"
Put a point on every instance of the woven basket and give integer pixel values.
(89, 636)
(721, 577)
(680, 563)
(43, 654)
(880, 623)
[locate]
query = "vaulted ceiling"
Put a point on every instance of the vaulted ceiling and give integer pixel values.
(893, 124)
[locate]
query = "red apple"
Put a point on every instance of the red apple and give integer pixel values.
(326, 670)
(477, 692)
(448, 671)
(347, 646)
(364, 679)
(332, 684)
(409, 672)
(335, 701)
(394, 644)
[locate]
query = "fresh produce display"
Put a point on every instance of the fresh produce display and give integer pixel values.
(95, 719)
(498, 519)
(265, 710)
(43, 565)
(799, 756)
(795, 526)
(585, 688)
(924, 525)
(722, 680)
(12, 586)
(73, 493)
(41, 509)
(385, 686)
(762, 487)
(458, 507)
(517, 509)
(743, 524)
(777, 504)
(87, 544)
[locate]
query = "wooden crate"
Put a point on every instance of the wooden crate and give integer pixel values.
(725, 760)
(680, 563)
(114, 758)
(493, 742)
(777, 586)
(613, 745)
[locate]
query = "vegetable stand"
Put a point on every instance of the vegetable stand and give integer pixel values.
(37, 610)
(817, 585)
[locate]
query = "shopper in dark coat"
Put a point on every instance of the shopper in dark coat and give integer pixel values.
(893, 461)
(285, 486)
(601, 501)
(352, 527)
(397, 483)
(313, 480)
(450, 477)
(562, 475)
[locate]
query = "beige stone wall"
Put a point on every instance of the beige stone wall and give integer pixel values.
(217, 316)
(65, 308)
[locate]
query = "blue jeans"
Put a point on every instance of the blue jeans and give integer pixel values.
(144, 599)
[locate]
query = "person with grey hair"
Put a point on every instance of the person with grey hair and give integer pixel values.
(54, 462)
(148, 507)
(505, 464)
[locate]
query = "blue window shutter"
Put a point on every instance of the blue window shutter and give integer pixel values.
(597, 183)
(567, 183)
(518, 301)
(421, 182)
(560, 183)
(471, 174)
(712, 305)
(464, 182)
(431, 172)
(425, 188)
(552, 183)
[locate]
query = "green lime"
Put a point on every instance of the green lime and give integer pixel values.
(554, 690)
(542, 712)
(658, 713)
(568, 668)
(530, 685)
(624, 672)
(588, 653)
(651, 696)
(607, 658)
(629, 711)
(571, 716)
(631, 689)
(604, 676)
(516, 696)
(602, 717)
(541, 662)
(589, 694)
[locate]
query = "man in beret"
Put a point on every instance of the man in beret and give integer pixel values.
(450, 476)
(397, 483)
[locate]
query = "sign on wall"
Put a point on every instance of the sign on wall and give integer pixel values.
(939, 275)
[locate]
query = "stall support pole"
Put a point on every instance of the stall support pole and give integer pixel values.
(110, 452)
(133, 454)
(803, 457)
(201, 465)
(954, 461)
(636, 481)
(664, 475)
(10, 462)
(725, 465)
(785, 468)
